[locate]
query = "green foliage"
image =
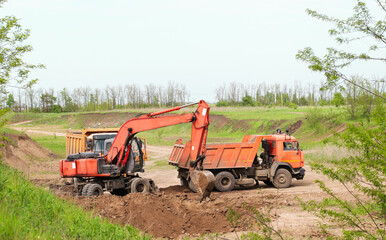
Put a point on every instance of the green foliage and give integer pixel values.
(28, 212)
(293, 105)
(256, 219)
(12, 49)
(363, 171)
(338, 99)
(360, 25)
(10, 101)
(247, 101)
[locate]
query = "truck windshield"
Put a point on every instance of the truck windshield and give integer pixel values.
(295, 145)
(98, 146)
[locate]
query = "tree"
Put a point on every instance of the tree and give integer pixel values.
(338, 99)
(247, 100)
(10, 101)
(363, 168)
(360, 25)
(14, 71)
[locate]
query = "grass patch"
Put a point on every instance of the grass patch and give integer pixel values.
(29, 212)
(55, 144)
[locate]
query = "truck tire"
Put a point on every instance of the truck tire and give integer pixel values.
(85, 189)
(268, 182)
(191, 186)
(119, 192)
(183, 182)
(140, 185)
(94, 190)
(282, 178)
(225, 182)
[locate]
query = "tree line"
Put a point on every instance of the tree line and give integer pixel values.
(357, 100)
(95, 99)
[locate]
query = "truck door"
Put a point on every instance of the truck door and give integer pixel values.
(291, 154)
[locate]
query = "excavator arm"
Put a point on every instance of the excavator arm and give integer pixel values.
(120, 149)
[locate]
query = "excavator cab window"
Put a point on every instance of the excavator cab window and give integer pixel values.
(136, 154)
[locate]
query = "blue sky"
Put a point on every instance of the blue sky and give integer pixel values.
(202, 44)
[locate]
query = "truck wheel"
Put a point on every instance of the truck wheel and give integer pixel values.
(282, 179)
(183, 182)
(119, 192)
(268, 182)
(140, 185)
(225, 182)
(85, 189)
(94, 190)
(191, 186)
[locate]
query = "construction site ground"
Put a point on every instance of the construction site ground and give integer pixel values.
(176, 212)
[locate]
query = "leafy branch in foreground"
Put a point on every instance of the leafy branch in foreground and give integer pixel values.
(257, 219)
(363, 175)
(13, 69)
(359, 26)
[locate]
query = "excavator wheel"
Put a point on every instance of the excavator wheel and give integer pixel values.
(140, 185)
(94, 190)
(85, 189)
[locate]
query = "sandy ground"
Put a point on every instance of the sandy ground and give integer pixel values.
(176, 212)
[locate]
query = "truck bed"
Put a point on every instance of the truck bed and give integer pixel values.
(218, 156)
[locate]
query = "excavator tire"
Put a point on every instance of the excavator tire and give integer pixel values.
(225, 181)
(191, 186)
(140, 185)
(85, 189)
(94, 190)
(282, 179)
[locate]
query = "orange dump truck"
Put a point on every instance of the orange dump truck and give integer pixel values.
(273, 159)
(87, 139)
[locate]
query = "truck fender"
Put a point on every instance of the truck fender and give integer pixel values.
(276, 165)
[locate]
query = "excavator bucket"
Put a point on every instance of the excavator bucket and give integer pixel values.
(203, 181)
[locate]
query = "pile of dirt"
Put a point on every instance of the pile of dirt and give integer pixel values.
(21, 152)
(176, 212)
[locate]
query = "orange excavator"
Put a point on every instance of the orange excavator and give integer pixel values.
(117, 171)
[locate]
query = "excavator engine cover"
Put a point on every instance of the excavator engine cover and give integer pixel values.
(203, 181)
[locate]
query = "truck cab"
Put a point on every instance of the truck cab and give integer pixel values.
(96, 142)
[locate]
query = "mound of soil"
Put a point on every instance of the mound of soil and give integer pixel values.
(173, 213)
(20, 151)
